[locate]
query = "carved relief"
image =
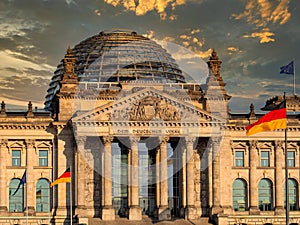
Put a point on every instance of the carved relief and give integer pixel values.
(151, 108)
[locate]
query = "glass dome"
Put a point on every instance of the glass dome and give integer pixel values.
(119, 56)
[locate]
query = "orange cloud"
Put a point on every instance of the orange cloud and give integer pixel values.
(263, 13)
(265, 36)
(141, 7)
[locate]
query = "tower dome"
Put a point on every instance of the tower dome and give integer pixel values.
(119, 56)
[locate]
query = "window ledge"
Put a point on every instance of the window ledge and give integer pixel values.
(240, 167)
(265, 167)
(15, 167)
(42, 167)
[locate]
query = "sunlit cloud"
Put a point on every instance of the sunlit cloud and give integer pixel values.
(265, 36)
(142, 7)
(262, 14)
(233, 50)
(20, 61)
(97, 12)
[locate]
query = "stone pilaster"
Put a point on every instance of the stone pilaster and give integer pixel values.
(279, 178)
(3, 189)
(253, 187)
(190, 210)
(108, 213)
(135, 212)
(31, 154)
(216, 208)
(164, 212)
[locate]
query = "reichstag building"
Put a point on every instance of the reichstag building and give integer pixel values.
(142, 141)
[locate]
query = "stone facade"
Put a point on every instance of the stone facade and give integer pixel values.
(144, 148)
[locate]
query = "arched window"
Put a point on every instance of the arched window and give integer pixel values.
(16, 198)
(239, 195)
(293, 194)
(265, 196)
(42, 196)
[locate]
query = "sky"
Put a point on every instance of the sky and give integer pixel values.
(253, 38)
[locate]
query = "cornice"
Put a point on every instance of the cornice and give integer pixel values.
(17, 126)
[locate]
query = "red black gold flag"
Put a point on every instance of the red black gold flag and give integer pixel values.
(64, 178)
(275, 119)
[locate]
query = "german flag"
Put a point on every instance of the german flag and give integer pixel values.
(276, 119)
(64, 178)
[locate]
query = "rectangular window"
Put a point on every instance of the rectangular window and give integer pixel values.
(16, 158)
(291, 158)
(265, 158)
(43, 158)
(239, 158)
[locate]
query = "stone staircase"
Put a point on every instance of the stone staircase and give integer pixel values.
(149, 221)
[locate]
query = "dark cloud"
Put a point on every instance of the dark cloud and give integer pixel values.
(42, 30)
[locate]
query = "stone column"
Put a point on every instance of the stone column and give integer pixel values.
(3, 185)
(253, 187)
(108, 213)
(80, 177)
(135, 212)
(183, 180)
(30, 181)
(157, 178)
(216, 208)
(164, 212)
(129, 177)
(190, 210)
(279, 178)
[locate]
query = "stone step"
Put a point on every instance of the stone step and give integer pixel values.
(149, 221)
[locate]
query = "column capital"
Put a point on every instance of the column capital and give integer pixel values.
(3, 143)
(164, 140)
(253, 144)
(189, 140)
(107, 139)
(30, 143)
(279, 144)
(80, 140)
(134, 140)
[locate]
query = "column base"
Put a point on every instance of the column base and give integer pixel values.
(3, 211)
(190, 213)
(31, 211)
(164, 213)
(216, 210)
(108, 213)
(135, 213)
(279, 210)
(254, 210)
(61, 211)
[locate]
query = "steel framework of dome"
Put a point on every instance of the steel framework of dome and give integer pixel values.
(119, 56)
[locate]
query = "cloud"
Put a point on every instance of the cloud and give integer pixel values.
(21, 62)
(142, 7)
(263, 14)
(265, 36)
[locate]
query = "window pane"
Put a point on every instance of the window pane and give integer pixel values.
(265, 158)
(43, 158)
(42, 196)
(15, 198)
(265, 195)
(239, 158)
(16, 158)
(291, 158)
(239, 195)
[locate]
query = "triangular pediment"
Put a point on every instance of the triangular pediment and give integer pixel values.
(148, 104)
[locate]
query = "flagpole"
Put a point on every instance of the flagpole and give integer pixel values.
(286, 176)
(294, 77)
(71, 206)
(26, 196)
